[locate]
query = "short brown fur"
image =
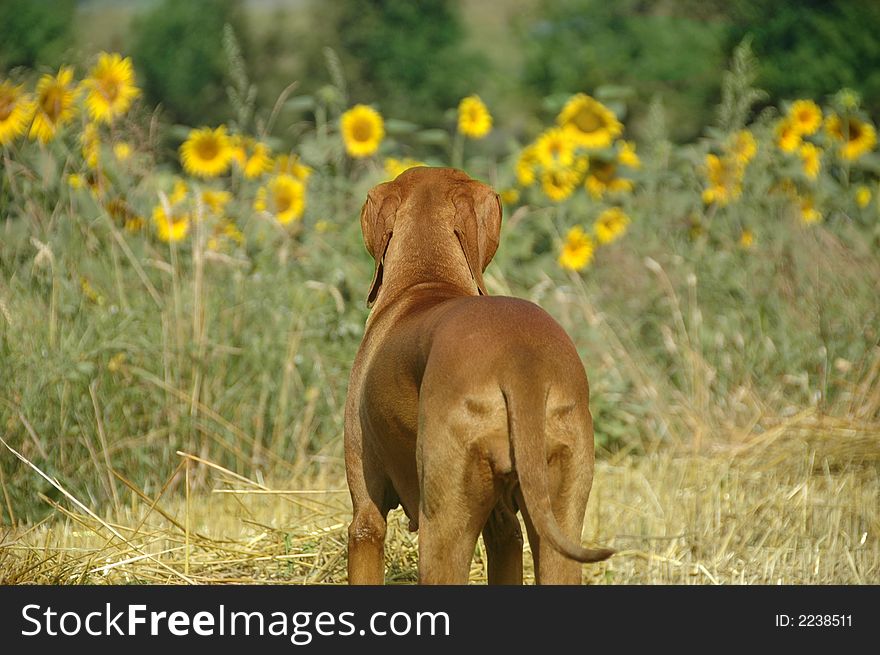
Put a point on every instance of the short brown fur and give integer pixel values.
(462, 408)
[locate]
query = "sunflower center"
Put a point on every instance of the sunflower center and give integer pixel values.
(208, 149)
(51, 102)
(283, 200)
(109, 88)
(587, 121)
(362, 130)
(604, 172)
(855, 131)
(7, 104)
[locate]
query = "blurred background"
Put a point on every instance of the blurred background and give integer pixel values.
(419, 57)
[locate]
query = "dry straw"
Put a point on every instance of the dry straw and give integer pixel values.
(794, 505)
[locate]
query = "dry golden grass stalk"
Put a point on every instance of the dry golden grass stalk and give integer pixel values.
(796, 506)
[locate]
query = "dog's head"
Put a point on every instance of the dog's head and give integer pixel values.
(433, 204)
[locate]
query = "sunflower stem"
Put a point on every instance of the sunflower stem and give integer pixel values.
(458, 150)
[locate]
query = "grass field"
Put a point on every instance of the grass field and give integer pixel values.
(171, 402)
(786, 508)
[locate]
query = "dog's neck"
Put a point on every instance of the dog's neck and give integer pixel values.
(438, 264)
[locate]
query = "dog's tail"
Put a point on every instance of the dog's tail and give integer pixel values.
(525, 416)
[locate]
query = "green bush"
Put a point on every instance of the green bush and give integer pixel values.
(405, 54)
(35, 32)
(807, 49)
(178, 50)
(813, 49)
(582, 45)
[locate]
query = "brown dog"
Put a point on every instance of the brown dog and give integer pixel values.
(461, 408)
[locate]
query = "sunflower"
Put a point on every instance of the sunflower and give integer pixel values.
(170, 228)
(90, 140)
(525, 166)
(122, 150)
(362, 130)
(610, 225)
(178, 192)
(743, 147)
(510, 196)
(811, 156)
(77, 181)
(627, 155)
(16, 109)
(124, 214)
(805, 116)
(559, 182)
(134, 224)
(746, 239)
(110, 87)
(725, 180)
(216, 201)
(173, 228)
(172, 218)
(252, 157)
(863, 196)
(555, 148)
(54, 108)
(591, 124)
(284, 197)
(788, 139)
(292, 165)
(857, 137)
(224, 233)
(474, 119)
(808, 212)
(206, 152)
(394, 167)
(577, 251)
(602, 178)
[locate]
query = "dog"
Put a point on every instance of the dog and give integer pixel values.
(462, 407)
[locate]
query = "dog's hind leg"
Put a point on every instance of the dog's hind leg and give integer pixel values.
(569, 494)
(504, 545)
(458, 494)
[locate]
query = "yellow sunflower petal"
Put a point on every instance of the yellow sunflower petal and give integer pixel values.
(591, 124)
(611, 225)
(474, 119)
(111, 87)
(206, 152)
(284, 197)
(55, 107)
(577, 251)
(16, 111)
(362, 130)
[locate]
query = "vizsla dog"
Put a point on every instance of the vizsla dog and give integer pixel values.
(462, 408)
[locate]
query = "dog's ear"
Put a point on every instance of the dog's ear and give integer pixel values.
(377, 224)
(478, 228)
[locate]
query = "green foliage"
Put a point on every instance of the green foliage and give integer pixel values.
(812, 49)
(179, 53)
(581, 45)
(738, 94)
(406, 55)
(35, 32)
